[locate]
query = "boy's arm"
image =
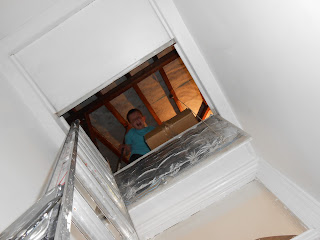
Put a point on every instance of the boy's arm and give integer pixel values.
(126, 148)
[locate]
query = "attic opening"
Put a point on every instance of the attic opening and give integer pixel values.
(161, 88)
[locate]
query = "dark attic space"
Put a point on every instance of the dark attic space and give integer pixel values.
(161, 88)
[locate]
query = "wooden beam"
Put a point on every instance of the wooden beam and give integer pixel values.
(124, 86)
(113, 110)
(85, 127)
(142, 74)
(91, 132)
(116, 114)
(203, 110)
(109, 145)
(284, 237)
(206, 113)
(146, 103)
(170, 88)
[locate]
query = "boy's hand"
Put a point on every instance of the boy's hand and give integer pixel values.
(126, 148)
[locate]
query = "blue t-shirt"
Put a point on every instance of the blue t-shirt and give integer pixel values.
(135, 138)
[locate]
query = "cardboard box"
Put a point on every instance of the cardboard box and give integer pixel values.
(170, 128)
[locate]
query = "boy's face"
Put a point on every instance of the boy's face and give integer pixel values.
(137, 120)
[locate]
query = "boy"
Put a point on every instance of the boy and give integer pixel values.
(134, 139)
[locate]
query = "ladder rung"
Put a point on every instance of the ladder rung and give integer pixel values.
(113, 208)
(87, 221)
(96, 187)
(95, 156)
(98, 171)
(92, 148)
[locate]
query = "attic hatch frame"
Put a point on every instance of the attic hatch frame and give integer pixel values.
(131, 82)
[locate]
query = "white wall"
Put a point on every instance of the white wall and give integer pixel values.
(30, 134)
(265, 55)
(27, 154)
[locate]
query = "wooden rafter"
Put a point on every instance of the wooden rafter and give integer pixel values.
(169, 86)
(124, 86)
(116, 114)
(147, 104)
(113, 110)
(284, 237)
(206, 112)
(90, 129)
(109, 145)
(203, 110)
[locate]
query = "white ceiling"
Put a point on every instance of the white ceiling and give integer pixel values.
(15, 13)
(87, 51)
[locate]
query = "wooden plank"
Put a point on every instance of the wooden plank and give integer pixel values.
(203, 110)
(142, 74)
(284, 237)
(170, 88)
(116, 114)
(124, 86)
(85, 127)
(109, 145)
(206, 112)
(147, 104)
(91, 132)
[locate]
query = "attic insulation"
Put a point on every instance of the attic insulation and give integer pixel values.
(156, 93)
(202, 143)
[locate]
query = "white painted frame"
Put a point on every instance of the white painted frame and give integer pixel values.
(194, 190)
(30, 93)
(300, 203)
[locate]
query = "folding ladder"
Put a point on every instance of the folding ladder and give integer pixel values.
(81, 189)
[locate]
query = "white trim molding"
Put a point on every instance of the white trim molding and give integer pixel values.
(193, 192)
(300, 203)
(15, 75)
(312, 234)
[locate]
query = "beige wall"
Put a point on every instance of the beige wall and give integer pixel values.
(247, 214)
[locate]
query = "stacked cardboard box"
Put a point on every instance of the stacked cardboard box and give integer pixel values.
(170, 128)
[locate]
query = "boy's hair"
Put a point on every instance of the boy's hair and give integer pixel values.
(132, 111)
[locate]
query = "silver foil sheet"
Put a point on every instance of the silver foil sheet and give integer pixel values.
(181, 154)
